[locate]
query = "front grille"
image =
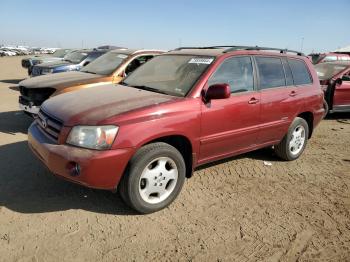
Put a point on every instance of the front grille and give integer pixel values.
(36, 95)
(36, 71)
(50, 126)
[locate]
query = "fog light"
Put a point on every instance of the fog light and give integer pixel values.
(74, 169)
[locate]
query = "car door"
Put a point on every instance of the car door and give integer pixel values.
(230, 126)
(341, 96)
(136, 63)
(130, 66)
(280, 98)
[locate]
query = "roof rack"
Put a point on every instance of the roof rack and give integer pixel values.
(282, 51)
(198, 47)
(230, 48)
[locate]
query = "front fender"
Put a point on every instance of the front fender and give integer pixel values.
(180, 120)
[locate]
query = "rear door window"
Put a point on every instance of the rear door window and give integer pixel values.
(271, 73)
(300, 72)
(237, 72)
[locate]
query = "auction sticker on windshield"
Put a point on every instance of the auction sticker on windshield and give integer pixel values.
(201, 61)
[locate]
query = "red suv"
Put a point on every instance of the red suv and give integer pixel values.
(180, 110)
(335, 82)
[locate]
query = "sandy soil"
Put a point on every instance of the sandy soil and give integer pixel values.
(234, 210)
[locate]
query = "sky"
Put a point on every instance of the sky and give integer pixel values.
(310, 26)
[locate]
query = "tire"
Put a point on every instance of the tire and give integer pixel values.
(326, 108)
(290, 150)
(158, 168)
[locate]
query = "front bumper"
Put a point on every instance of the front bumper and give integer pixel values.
(98, 169)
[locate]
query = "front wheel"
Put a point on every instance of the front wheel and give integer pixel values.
(326, 108)
(154, 178)
(294, 142)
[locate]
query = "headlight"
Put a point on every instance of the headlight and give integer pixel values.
(93, 137)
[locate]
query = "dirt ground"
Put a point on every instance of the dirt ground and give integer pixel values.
(234, 210)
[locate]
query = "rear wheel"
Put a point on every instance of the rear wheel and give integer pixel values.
(294, 142)
(154, 178)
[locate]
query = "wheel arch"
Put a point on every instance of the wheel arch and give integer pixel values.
(309, 118)
(181, 143)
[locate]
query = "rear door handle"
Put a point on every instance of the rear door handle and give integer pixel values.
(293, 93)
(253, 100)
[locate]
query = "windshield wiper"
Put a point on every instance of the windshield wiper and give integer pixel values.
(89, 72)
(152, 89)
(123, 83)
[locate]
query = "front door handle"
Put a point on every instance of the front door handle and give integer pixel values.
(293, 93)
(253, 100)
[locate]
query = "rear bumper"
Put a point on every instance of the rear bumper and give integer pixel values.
(98, 169)
(318, 116)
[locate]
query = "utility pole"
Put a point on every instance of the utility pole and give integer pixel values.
(302, 44)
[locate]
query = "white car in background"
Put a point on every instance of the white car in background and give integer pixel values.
(6, 52)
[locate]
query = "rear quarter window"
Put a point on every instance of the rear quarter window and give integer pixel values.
(301, 75)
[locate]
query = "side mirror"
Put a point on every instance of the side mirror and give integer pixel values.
(339, 81)
(345, 78)
(86, 63)
(217, 91)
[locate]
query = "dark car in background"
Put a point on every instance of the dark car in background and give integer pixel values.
(58, 55)
(72, 62)
(335, 82)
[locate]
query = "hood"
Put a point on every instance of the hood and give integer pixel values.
(54, 64)
(49, 59)
(91, 106)
(60, 80)
(43, 59)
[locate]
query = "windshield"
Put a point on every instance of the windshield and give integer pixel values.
(105, 64)
(327, 71)
(60, 53)
(170, 74)
(75, 57)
